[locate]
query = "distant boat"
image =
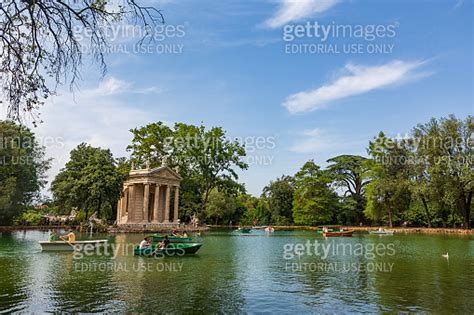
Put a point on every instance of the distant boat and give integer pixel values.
(63, 246)
(338, 233)
(382, 232)
(244, 230)
(269, 229)
(171, 250)
(332, 228)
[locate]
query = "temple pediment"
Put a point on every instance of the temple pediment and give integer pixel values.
(165, 172)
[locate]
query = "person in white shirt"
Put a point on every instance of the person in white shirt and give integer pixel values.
(145, 243)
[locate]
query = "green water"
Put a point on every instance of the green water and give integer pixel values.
(244, 274)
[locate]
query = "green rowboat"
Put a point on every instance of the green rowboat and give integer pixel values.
(172, 239)
(176, 249)
(244, 230)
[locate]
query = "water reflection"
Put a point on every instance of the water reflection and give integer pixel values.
(240, 273)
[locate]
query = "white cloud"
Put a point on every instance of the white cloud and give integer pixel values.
(294, 10)
(314, 140)
(320, 141)
(358, 80)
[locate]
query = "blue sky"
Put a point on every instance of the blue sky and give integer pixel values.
(231, 70)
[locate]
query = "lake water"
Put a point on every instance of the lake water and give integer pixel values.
(289, 271)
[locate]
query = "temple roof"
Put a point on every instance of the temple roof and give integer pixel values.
(157, 174)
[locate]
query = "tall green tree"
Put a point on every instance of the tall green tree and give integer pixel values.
(279, 195)
(22, 170)
(388, 193)
(446, 176)
(90, 181)
(351, 172)
(205, 157)
(314, 202)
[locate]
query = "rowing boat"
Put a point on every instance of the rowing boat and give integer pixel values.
(339, 233)
(382, 232)
(172, 239)
(244, 230)
(62, 246)
(176, 249)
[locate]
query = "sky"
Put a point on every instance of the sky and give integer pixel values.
(282, 76)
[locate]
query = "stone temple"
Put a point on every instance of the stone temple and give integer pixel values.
(147, 196)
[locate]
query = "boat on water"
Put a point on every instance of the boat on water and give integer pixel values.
(172, 239)
(63, 246)
(338, 233)
(269, 229)
(332, 228)
(244, 230)
(173, 249)
(381, 231)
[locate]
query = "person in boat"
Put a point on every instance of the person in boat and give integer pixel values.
(70, 237)
(145, 243)
(165, 242)
(53, 236)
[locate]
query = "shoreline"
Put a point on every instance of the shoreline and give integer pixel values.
(405, 230)
(114, 230)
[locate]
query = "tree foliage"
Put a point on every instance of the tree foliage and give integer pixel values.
(42, 45)
(444, 171)
(314, 201)
(90, 181)
(22, 171)
(279, 196)
(388, 194)
(206, 159)
(350, 172)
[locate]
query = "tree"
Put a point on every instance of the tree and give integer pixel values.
(446, 176)
(89, 181)
(314, 200)
(388, 193)
(350, 172)
(221, 207)
(41, 47)
(279, 195)
(206, 158)
(22, 171)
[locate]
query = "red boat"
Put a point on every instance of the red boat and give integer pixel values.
(338, 233)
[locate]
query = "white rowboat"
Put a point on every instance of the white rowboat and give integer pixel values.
(383, 232)
(62, 246)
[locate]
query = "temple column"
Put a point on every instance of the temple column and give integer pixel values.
(119, 210)
(156, 204)
(146, 201)
(167, 204)
(131, 203)
(176, 204)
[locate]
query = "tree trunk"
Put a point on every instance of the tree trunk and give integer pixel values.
(428, 217)
(466, 209)
(390, 218)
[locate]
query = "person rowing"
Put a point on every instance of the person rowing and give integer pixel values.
(71, 237)
(164, 243)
